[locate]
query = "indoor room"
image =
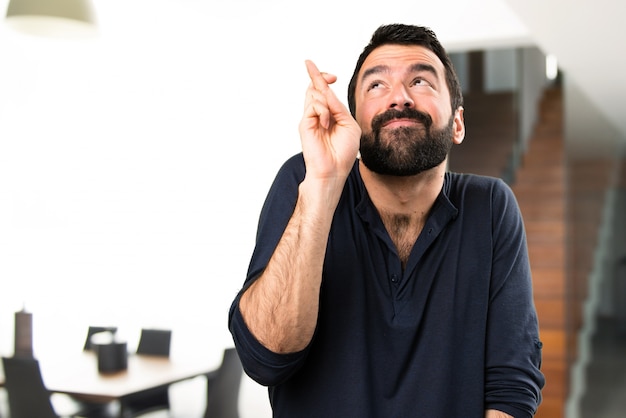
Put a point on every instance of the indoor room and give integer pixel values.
(137, 150)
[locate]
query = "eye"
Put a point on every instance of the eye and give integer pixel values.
(374, 85)
(421, 82)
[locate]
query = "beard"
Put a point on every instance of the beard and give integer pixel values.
(407, 150)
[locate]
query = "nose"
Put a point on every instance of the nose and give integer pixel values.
(400, 97)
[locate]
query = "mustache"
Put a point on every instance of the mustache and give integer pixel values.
(407, 113)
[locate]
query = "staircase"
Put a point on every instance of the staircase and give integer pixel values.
(540, 188)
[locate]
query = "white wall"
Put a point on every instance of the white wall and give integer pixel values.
(133, 166)
(125, 176)
(501, 70)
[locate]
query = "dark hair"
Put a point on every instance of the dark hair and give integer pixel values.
(399, 34)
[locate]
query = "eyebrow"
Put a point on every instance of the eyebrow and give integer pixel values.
(415, 68)
(418, 68)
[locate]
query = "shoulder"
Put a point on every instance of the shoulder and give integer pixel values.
(293, 167)
(289, 175)
(483, 193)
(462, 184)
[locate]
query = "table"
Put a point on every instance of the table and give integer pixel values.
(77, 374)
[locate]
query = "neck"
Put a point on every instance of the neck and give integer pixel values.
(410, 196)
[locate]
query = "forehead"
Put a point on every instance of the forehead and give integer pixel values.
(400, 58)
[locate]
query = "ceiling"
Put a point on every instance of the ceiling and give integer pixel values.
(586, 36)
(588, 39)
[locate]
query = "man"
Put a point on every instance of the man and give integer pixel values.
(384, 286)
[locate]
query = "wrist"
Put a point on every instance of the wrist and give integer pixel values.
(320, 195)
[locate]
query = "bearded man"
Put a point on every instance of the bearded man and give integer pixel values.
(384, 285)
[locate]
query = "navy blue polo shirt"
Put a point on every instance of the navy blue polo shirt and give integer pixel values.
(453, 334)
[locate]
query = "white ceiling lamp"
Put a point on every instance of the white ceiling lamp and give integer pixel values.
(52, 18)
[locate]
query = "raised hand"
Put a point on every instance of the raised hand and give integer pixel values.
(329, 134)
(281, 307)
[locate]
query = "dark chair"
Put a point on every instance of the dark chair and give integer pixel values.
(223, 387)
(155, 342)
(27, 393)
(94, 330)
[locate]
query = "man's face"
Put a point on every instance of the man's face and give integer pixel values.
(403, 108)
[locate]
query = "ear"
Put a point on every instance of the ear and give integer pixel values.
(459, 126)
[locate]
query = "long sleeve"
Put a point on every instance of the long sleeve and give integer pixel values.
(513, 380)
(262, 365)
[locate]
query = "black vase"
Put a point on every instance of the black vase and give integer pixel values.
(112, 357)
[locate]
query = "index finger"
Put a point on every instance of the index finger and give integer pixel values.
(320, 80)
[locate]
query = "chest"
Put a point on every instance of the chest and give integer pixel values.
(403, 232)
(397, 275)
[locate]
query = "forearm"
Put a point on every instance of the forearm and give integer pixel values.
(281, 307)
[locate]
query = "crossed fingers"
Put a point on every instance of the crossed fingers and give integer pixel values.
(320, 98)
